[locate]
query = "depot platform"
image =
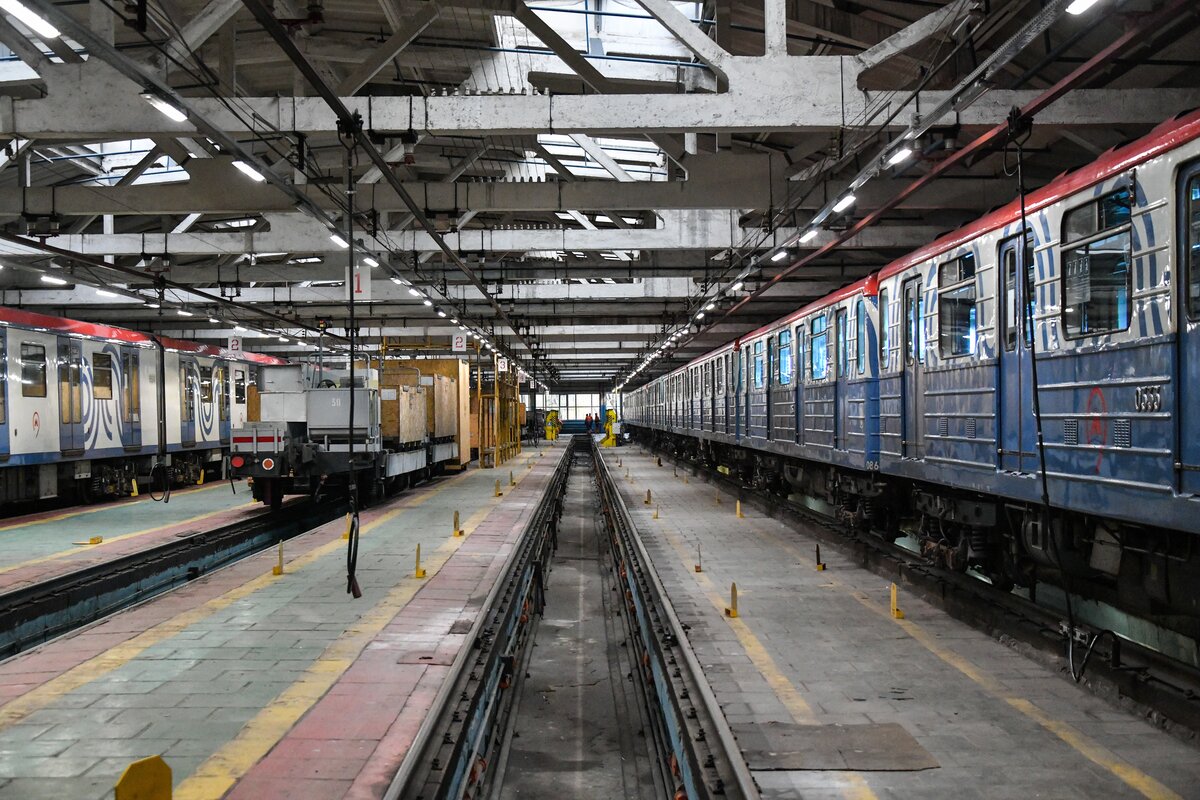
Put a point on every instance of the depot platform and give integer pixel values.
(37, 547)
(252, 685)
(832, 697)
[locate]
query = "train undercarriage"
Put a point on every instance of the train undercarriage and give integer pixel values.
(94, 480)
(1147, 572)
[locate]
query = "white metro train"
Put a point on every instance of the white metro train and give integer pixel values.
(86, 409)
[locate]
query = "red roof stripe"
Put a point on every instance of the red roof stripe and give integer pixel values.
(29, 319)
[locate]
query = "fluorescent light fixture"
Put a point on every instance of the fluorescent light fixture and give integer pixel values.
(462, 327)
(901, 154)
(395, 280)
(53, 281)
(737, 287)
(699, 315)
(243, 222)
(306, 260)
(214, 320)
(283, 338)
(710, 306)
(441, 313)
(338, 240)
(239, 329)
(808, 235)
(32, 20)
(106, 293)
(1078, 7)
(183, 313)
(152, 304)
(779, 255)
(163, 107)
(453, 321)
(428, 302)
(249, 171)
(845, 202)
(370, 262)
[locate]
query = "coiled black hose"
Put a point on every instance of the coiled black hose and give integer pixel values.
(167, 477)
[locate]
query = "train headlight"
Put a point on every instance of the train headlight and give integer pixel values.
(237, 462)
(268, 464)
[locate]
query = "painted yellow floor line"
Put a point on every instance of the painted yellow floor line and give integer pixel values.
(103, 507)
(1087, 747)
(856, 786)
(224, 768)
(109, 540)
(99, 666)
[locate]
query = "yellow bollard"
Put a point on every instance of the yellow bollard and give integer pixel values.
(647, 500)
(656, 512)
(145, 779)
(201, 481)
(349, 524)
(278, 568)
(498, 492)
(731, 611)
(419, 572)
(717, 494)
(133, 489)
(511, 480)
(896, 612)
(740, 515)
(699, 561)
(458, 531)
(820, 563)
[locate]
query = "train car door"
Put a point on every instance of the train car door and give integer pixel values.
(4, 441)
(840, 379)
(131, 399)
(769, 384)
(187, 401)
(912, 385)
(798, 379)
(220, 379)
(1187, 410)
(70, 395)
(1018, 433)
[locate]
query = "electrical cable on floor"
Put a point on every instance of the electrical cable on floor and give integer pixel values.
(352, 532)
(165, 471)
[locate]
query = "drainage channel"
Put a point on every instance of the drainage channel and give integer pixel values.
(580, 682)
(35, 614)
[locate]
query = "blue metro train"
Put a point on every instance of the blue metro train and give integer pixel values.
(906, 402)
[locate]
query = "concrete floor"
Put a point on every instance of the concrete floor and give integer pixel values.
(580, 729)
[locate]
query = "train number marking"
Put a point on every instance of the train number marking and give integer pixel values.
(37, 424)
(1147, 398)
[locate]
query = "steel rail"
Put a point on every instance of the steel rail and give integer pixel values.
(726, 775)
(444, 750)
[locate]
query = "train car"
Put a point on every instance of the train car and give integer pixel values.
(404, 430)
(86, 409)
(922, 393)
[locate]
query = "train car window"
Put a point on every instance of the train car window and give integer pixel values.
(131, 390)
(885, 354)
(860, 334)
(1192, 238)
(1097, 275)
(758, 364)
(956, 307)
(239, 386)
(785, 358)
(1008, 269)
(102, 376)
(3, 386)
(818, 346)
(33, 370)
(206, 385)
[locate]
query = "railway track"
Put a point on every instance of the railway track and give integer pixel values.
(37, 613)
(1164, 691)
(465, 747)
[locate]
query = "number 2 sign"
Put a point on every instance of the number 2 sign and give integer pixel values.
(459, 343)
